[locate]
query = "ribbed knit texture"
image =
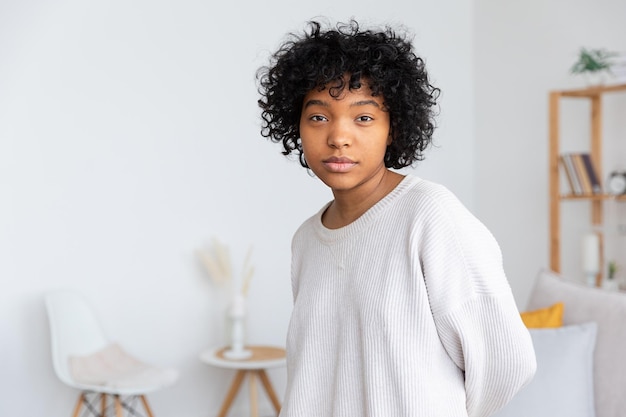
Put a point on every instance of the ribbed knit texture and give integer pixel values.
(404, 312)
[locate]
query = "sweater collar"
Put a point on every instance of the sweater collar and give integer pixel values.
(332, 235)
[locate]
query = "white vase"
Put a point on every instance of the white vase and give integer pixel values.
(596, 78)
(237, 315)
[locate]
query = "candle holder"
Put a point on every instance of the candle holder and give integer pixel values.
(591, 258)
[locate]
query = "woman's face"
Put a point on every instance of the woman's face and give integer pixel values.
(344, 138)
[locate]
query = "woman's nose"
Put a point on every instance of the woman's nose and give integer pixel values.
(339, 135)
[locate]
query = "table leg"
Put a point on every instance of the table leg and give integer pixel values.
(232, 392)
(254, 404)
(270, 391)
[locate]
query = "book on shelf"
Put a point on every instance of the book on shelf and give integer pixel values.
(592, 173)
(570, 174)
(581, 173)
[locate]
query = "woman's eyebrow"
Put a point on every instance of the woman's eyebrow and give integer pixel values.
(315, 102)
(364, 103)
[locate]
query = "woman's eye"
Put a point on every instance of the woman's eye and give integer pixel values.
(318, 118)
(365, 118)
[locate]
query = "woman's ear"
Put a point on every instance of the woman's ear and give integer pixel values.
(389, 139)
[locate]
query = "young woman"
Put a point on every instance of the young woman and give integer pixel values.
(401, 304)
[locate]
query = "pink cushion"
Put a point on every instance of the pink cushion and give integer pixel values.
(114, 368)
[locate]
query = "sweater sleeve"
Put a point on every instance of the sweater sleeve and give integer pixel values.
(473, 307)
(484, 339)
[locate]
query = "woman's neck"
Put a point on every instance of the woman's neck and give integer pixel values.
(349, 206)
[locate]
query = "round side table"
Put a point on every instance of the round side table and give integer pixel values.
(263, 357)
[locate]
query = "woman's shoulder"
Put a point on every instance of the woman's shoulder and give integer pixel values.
(429, 193)
(435, 207)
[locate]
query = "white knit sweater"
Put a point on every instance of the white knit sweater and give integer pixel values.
(405, 312)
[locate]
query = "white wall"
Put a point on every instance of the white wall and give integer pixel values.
(129, 138)
(522, 51)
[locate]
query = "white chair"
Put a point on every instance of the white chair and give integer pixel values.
(83, 358)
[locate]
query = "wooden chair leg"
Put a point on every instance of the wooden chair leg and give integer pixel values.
(269, 389)
(144, 401)
(103, 404)
(118, 406)
(79, 404)
(232, 392)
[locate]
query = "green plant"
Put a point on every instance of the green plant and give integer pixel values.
(612, 269)
(592, 60)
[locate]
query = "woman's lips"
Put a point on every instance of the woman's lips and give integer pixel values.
(339, 164)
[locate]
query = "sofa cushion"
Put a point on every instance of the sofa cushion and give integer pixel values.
(551, 316)
(606, 308)
(563, 384)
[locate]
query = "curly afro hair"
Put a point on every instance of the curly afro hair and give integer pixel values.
(383, 59)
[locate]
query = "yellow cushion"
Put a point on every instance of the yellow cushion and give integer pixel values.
(551, 316)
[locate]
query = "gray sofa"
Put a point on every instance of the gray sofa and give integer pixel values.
(581, 367)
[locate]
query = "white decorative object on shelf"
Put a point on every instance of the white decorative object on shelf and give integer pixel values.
(610, 284)
(618, 67)
(617, 182)
(591, 257)
(597, 78)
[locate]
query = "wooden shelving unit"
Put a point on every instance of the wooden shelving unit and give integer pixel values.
(594, 95)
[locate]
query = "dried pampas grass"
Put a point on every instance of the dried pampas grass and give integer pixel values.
(216, 260)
